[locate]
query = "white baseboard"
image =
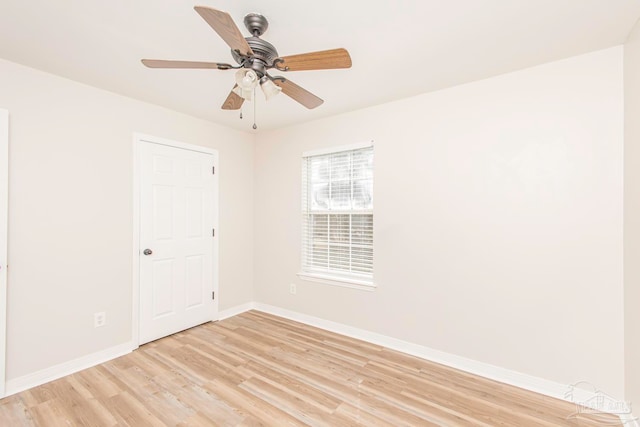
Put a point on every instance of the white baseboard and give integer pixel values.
(234, 311)
(486, 370)
(46, 375)
(507, 376)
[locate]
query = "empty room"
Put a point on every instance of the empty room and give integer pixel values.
(279, 213)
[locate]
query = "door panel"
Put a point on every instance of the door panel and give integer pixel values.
(162, 288)
(176, 223)
(194, 204)
(194, 283)
(162, 203)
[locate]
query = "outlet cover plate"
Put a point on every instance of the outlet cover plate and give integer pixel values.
(99, 319)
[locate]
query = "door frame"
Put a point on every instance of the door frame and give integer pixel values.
(139, 138)
(4, 237)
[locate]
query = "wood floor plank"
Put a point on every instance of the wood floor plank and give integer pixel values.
(210, 406)
(14, 412)
(131, 412)
(256, 369)
(358, 416)
(258, 408)
(296, 388)
(298, 408)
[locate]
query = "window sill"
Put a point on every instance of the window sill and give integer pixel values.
(362, 285)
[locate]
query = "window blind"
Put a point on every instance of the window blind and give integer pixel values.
(337, 214)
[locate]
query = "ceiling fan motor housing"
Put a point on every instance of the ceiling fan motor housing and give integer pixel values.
(264, 53)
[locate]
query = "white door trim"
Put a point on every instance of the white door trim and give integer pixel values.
(4, 227)
(137, 139)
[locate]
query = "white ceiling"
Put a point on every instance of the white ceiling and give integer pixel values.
(399, 48)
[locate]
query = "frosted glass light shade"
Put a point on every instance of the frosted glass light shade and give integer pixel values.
(246, 80)
(269, 88)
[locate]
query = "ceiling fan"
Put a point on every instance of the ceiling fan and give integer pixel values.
(255, 57)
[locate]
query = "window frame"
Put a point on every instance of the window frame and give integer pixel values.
(347, 280)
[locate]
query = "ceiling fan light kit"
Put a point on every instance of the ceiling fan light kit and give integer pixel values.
(269, 88)
(255, 57)
(246, 82)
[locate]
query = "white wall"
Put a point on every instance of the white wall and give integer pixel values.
(498, 220)
(70, 213)
(632, 215)
(498, 217)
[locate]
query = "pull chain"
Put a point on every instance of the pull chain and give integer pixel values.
(254, 109)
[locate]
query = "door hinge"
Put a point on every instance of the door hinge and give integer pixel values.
(213, 295)
(213, 170)
(213, 232)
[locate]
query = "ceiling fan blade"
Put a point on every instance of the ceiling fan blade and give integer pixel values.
(223, 24)
(299, 94)
(233, 101)
(323, 60)
(162, 63)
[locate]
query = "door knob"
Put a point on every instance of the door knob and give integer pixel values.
(147, 252)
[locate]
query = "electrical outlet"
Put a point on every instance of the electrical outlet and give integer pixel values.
(99, 319)
(292, 288)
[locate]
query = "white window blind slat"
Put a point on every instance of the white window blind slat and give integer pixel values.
(337, 214)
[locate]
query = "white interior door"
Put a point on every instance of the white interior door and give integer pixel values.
(177, 212)
(4, 208)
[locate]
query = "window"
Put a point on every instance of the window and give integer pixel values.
(337, 216)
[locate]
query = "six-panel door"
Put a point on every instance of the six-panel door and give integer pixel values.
(176, 227)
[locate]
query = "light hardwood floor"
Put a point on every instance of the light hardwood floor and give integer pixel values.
(258, 369)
